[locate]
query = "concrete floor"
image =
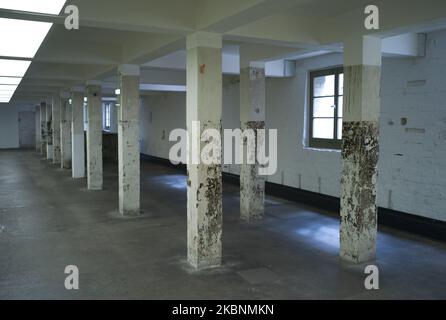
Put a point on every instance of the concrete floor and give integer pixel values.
(49, 221)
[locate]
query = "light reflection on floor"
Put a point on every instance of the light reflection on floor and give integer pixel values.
(325, 235)
(176, 181)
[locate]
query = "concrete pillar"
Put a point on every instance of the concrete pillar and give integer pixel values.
(252, 117)
(55, 126)
(362, 74)
(49, 132)
(128, 140)
(65, 132)
(77, 134)
(94, 136)
(43, 129)
(38, 130)
(204, 192)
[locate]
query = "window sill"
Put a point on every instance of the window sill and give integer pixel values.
(321, 149)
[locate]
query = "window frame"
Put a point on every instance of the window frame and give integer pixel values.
(334, 143)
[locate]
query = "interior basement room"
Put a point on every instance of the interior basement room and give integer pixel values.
(223, 157)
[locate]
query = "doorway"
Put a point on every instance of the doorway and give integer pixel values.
(27, 129)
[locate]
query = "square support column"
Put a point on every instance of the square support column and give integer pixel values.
(77, 135)
(128, 140)
(43, 130)
(38, 131)
(252, 117)
(360, 149)
(55, 125)
(49, 132)
(94, 136)
(65, 133)
(204, 191)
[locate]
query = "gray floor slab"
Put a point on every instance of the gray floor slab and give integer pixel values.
(49, 221)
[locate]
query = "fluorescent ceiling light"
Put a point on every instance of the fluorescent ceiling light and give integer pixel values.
(10, 80)
(20, 38)
(13, 68)
(41, 6)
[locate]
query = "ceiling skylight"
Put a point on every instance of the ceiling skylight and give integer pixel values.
(13, 68)
(20, 38)
(7, 88)
(10, 80)
(40, 6)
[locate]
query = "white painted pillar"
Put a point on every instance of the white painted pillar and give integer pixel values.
(49, 131)
(38, 130)
(55, 126)
(65, 132)
(204, 192)
(43, 129)
(94, 135)
(360, 149)
(77, 134)
(128, 140)
(252, 117)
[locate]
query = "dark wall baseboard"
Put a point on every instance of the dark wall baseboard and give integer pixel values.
(426, 227)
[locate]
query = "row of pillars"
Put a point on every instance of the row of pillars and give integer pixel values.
(360, 148)
(204, 104)
(61, 136)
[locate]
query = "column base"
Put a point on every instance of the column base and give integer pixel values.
(204, 264)
(358, 258)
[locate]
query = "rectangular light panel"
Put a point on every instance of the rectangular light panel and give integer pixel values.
(41, 6)
(13, 68)
(7, 87)
(10, 80)
(20, 38)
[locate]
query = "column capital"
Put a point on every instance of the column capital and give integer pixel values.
(248, 55)
(362, 50)
(129, 70)
(204, 39)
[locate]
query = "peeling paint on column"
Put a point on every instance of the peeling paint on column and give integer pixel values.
(56, 130)
(128, 146)
(38, 131)
(252, 185)
(77, 136)
(360, 152)
(49, 133)
(43, 137)
(252, 116)
(204, 184)
(65, 135)
(358, 191)
(206, 195)
(94, 138)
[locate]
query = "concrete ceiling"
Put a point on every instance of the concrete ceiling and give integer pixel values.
(113, 32)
